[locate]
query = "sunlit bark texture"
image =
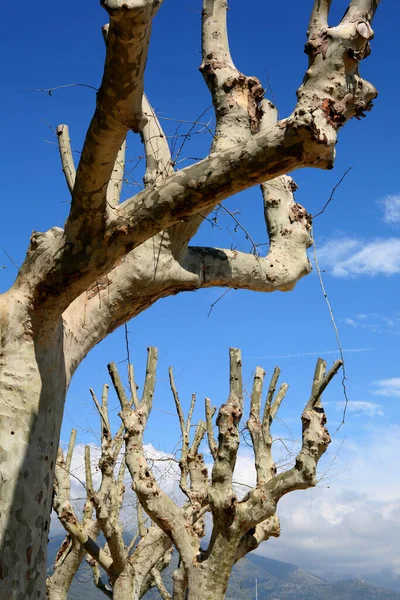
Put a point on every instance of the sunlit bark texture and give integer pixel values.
(130, 568)
(79, 283)
(239, 525)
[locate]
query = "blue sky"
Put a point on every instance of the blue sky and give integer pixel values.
(358, 237)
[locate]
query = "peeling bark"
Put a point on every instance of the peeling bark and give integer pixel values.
(113, 260)
(238, 526)
(129, 568)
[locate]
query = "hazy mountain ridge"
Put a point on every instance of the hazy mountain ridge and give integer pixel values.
(276, 580)
(283, 581)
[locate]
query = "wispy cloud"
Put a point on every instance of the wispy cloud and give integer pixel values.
(375, 322)
(353, 257)
(351, 322)
(321, 353)
(314, 353)
(351, 527)
(387, 387)
(359, 407)
(391, 208)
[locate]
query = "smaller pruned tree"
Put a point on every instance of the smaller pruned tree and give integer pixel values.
(136, 564)
(238, 525)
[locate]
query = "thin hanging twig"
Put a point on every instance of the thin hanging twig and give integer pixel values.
(332, 193)
(344, 378)
(50, 91)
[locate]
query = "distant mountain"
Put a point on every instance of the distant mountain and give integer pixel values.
(283, 581)
(276, 580)
(386, 579)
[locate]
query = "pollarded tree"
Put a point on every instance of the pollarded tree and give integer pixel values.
(149, 549)
(239, 525)
(79, 283)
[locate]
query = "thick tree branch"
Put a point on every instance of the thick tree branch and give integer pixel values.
(154, 551)
(162, 564)
(114, 188)
(260, 503)
(198, 491)
(67, 160)
(235, 96)
(108, 499)
(118, 109)
(260, 431)
(66, 514)
(151, 272)
(319, 17)
(97, 579)
(184, 193)
(160, 584)
(185, 430)
(221, 495)
(258, 534)
(218, 267)
(306, 138)
(212, 444)
(361, 9)
(168, 516)
(282, 213)
(158, 155)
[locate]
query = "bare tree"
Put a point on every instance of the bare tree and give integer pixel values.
(138, 562)
(131, 570)
(79, 283)
(238, 525)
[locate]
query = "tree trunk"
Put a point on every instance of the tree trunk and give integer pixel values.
(33, 386)
(124, 586)
(59, 583)
(208, 580)
(179, 580)
(130, 582)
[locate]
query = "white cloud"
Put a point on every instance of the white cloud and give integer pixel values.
(350, 527)
(387, 387)
(163, 465)
(350, 257)
(351, 322)
(375, 322)
(359, 407)
(313, 353)
(391, 207)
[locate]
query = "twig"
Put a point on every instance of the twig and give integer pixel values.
(269, 87)
(217, 300)
(183, 120)
(186, 136)
(128, 356)
(332, 194)
(238, 224)
(8, 256)
(59, 87)
(344, 378)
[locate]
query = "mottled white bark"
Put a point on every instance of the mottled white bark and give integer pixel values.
(33, 384)
(113, 260)
(71, 553)
(67, 159)
(238, 526)
(128, 567)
